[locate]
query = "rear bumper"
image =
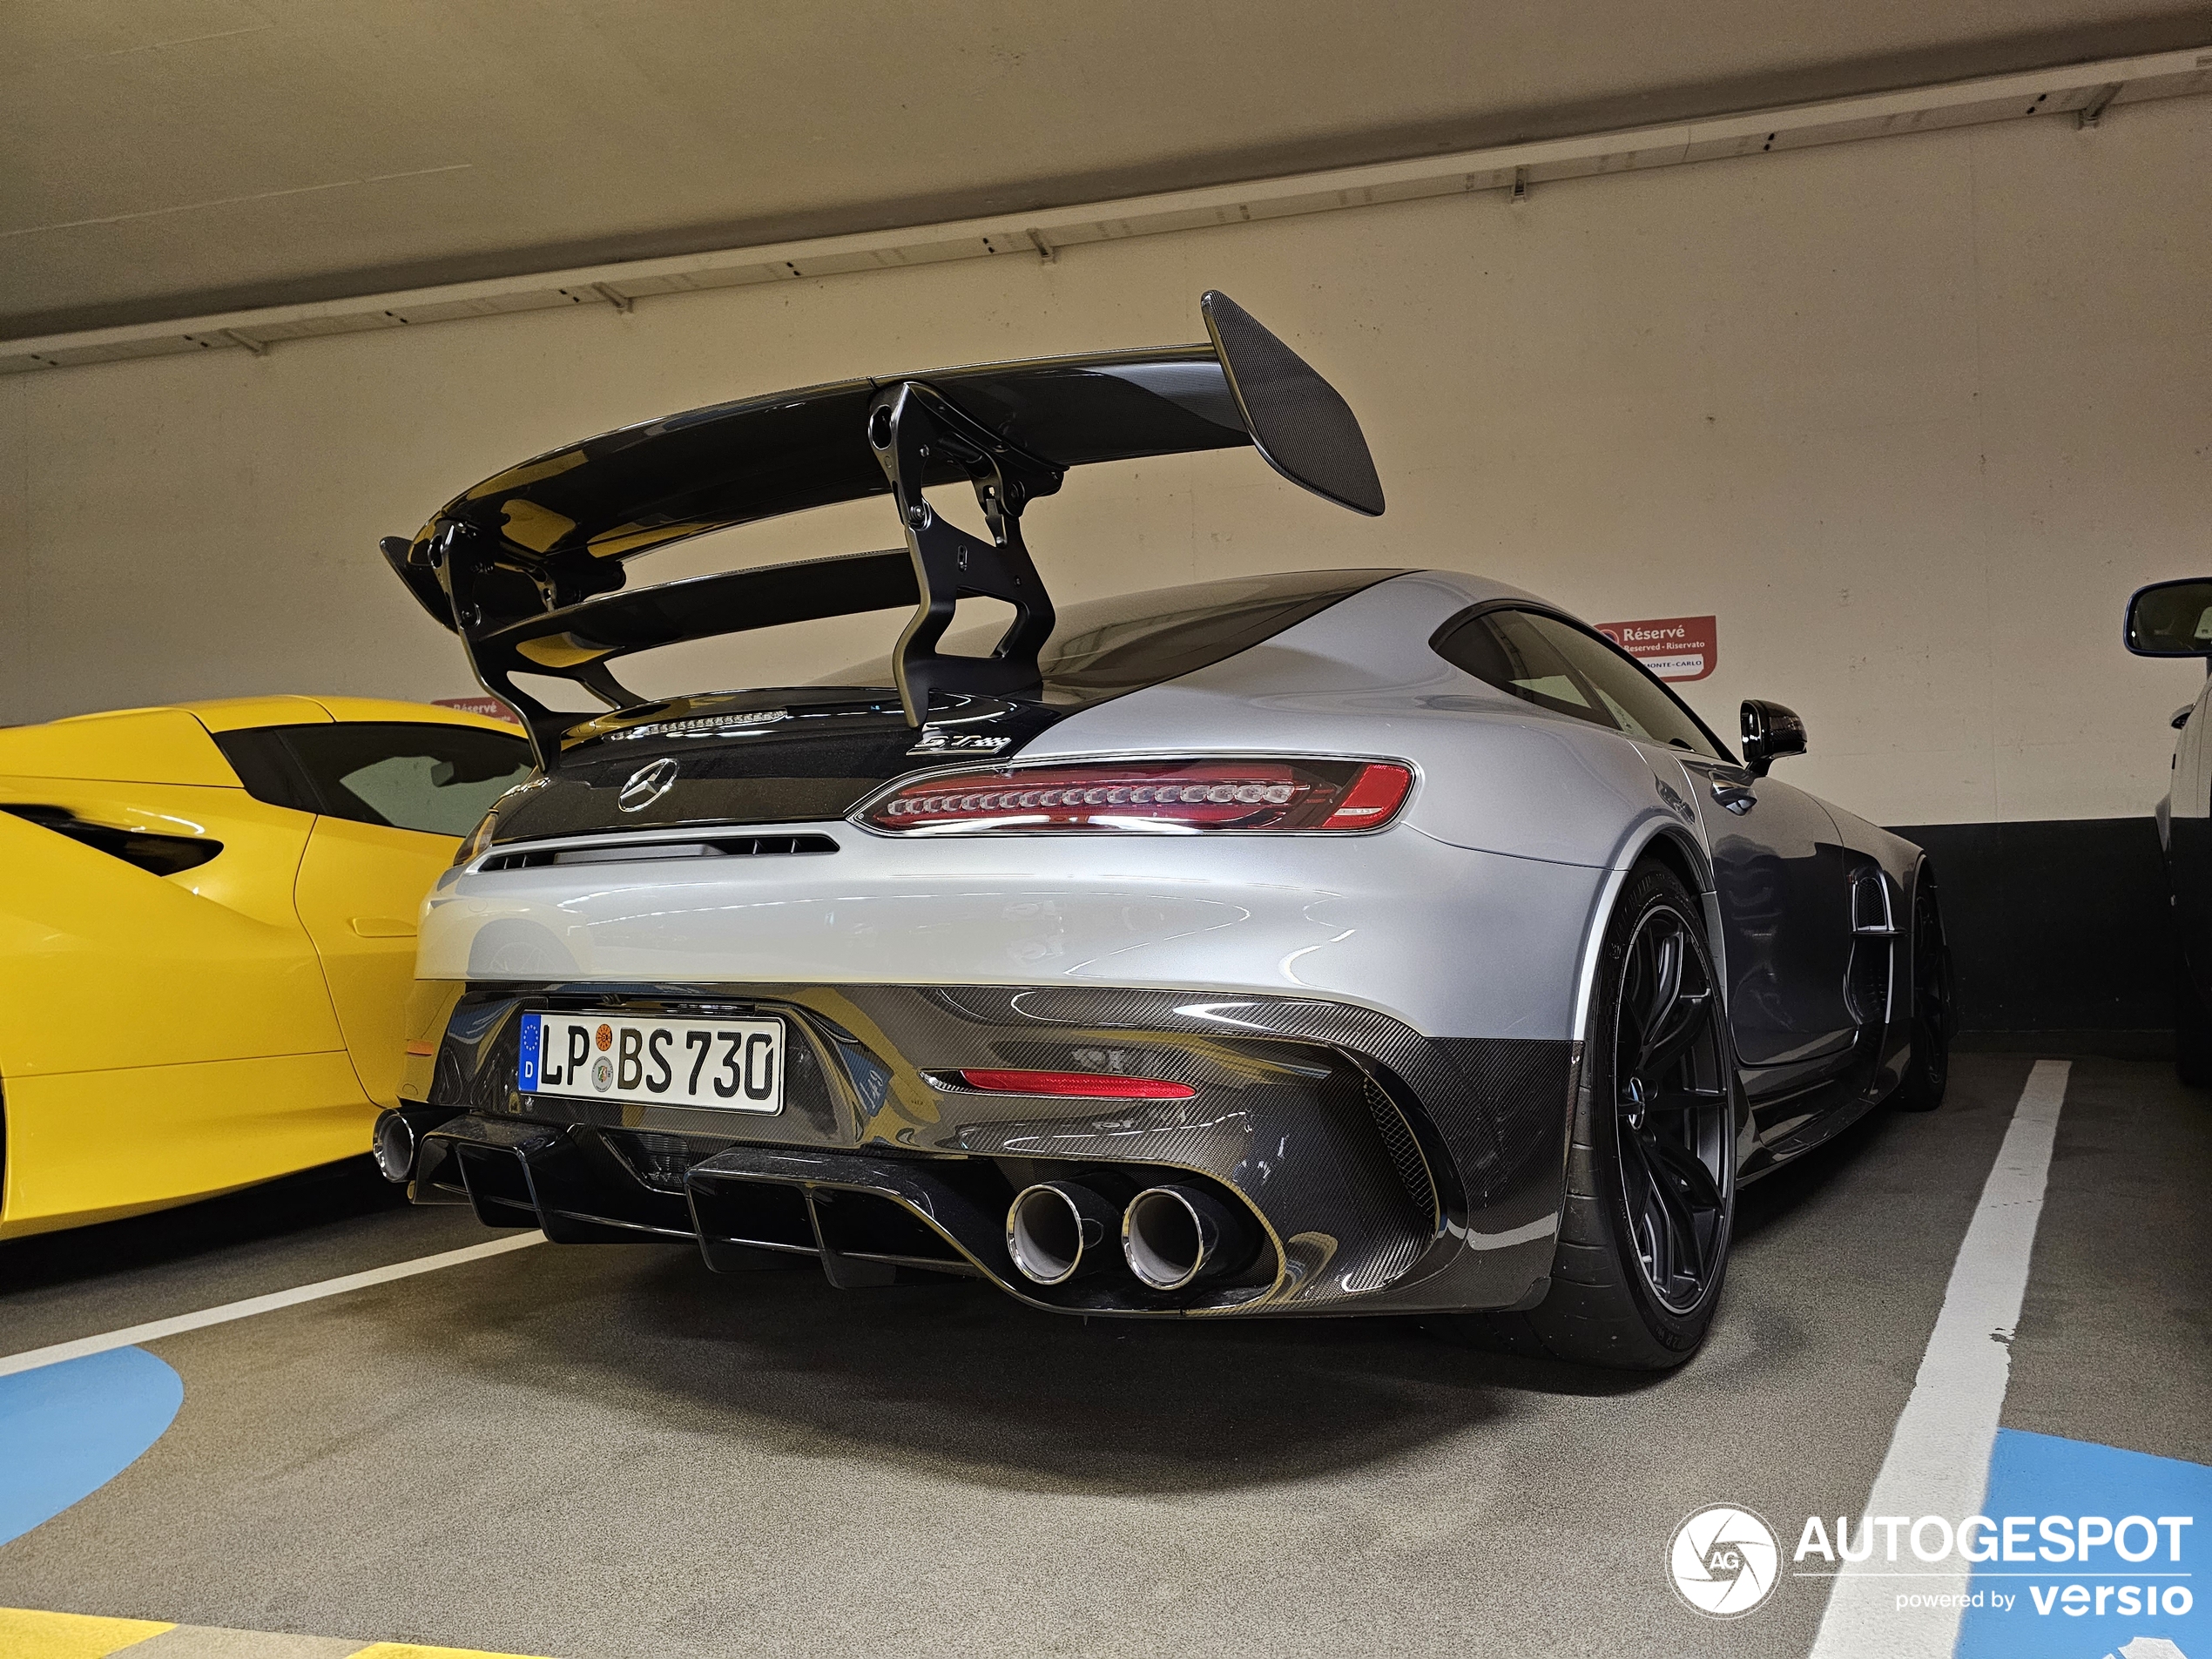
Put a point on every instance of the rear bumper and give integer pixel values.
(1385, 1172)
(1451, 941)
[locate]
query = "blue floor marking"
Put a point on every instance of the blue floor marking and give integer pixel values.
(2041, 1475)
(66, 1430)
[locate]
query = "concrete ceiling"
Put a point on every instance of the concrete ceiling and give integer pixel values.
(163, 159)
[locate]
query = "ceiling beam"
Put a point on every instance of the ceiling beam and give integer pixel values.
(2086, 91)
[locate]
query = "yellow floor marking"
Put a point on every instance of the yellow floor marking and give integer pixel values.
(27, 1635)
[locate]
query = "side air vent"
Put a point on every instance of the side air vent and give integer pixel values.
(1871, 914)
(1867, 983)
(155, 855)
(1404, 1151)
(722, 846)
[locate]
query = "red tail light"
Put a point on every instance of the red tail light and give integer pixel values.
(1159, 796)
(1086, 1085)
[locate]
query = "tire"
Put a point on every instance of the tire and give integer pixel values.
(1927, 1074)
(1651, 1166)
(2192, 1029)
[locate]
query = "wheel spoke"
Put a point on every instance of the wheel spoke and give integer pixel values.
(1681, 1225)
(1663, 1048)
(1689, 1171)
(1685, 1100)
(1664, 989)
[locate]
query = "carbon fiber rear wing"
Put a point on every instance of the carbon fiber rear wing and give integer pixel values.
(526, 566)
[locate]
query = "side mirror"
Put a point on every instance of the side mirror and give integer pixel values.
(2170, 619)
(1770, 732)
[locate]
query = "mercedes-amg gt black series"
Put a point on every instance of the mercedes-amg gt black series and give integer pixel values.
(1329, 942)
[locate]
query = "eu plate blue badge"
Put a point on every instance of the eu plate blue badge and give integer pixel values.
(529, 1051)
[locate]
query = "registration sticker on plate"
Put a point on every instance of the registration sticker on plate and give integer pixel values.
(724, 1065)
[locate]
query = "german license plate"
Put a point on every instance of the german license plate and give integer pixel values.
(724, 1065)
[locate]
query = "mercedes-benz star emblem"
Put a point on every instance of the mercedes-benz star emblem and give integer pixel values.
(646, 784)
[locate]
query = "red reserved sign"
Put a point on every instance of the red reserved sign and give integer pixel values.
(1674, 648)
(491, 705)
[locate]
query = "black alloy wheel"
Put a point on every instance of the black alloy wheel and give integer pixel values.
(1934, 1011)
(1650, 1192)
(1670, 1102)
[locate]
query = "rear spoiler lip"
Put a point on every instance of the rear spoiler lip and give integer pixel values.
(531, 556)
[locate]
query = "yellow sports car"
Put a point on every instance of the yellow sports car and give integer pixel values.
(208, 937)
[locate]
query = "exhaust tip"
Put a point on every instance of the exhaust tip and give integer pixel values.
(1174, 1236)
(395, 1144)
(1057, 1230)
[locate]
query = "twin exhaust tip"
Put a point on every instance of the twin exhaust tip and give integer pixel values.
(1172, 1236)
(1169, 1237)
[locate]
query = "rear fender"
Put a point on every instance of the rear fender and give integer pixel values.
(1655, 836)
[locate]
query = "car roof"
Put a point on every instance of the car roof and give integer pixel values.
(238, 713)
(173, 743)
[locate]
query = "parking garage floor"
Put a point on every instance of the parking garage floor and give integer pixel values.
(610, 1453)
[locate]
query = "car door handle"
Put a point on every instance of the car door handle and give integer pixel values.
(1735, 798)
(383, 928)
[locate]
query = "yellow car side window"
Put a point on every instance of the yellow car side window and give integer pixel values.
(438, 780)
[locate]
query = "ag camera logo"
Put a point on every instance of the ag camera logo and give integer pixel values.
(1724, 1562)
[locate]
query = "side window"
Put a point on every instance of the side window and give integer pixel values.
(266, 766)
(1508, 650)
(1640, 705)
(1556, 666)
(436, 779)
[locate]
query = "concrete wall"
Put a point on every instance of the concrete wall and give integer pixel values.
(1911, 416)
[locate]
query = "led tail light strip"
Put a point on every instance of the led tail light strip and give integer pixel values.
(1158, 797)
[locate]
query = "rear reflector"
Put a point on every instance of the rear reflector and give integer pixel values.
(1087, 1085)
(1158, 797)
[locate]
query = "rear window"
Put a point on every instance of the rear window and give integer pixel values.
(439, 779)
(1102, 648)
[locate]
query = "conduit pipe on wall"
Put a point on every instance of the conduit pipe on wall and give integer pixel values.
(2087, 91)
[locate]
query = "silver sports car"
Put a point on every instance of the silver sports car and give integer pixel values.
(1338, 942)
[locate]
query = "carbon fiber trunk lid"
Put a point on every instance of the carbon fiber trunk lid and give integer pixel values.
(793, 755)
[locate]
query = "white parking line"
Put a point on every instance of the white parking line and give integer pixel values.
(1938, 1457)
(154, 1330)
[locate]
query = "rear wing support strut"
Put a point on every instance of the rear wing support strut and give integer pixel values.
(909, 424)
